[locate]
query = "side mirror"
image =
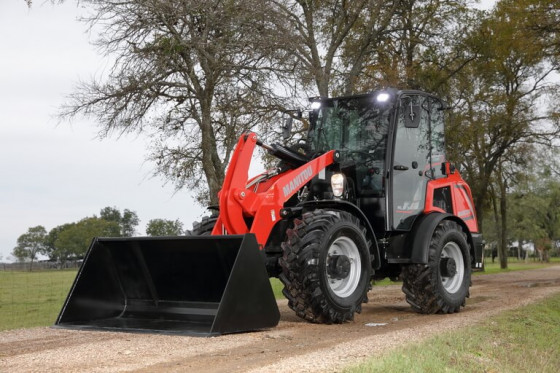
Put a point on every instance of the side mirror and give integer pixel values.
(287, 127)
(312, 118)
(289, 122)
(447, 168)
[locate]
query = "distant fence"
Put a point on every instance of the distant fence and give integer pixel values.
(39, 266)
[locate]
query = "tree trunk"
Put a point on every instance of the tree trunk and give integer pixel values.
(481, 189)
(503, 217)
(496, 225)
(503, 233)
(323, 80)
(211, 163)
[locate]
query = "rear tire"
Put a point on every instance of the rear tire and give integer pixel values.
(326, 266)
(441, 285)
(203, 227)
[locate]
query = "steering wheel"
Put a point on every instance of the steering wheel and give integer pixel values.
(359, 155)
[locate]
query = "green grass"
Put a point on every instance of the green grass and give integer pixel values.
(514, 341)
(277, 287)
(515, 265)
(30, 299)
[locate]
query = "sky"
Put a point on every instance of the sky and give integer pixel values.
(53, 172)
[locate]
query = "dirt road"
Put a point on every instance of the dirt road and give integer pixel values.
(294, 346)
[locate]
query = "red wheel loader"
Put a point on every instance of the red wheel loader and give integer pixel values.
(369, 194)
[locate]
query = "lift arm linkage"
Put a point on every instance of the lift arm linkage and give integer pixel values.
(237, 202)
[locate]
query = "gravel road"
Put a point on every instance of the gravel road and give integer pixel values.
(386, 322)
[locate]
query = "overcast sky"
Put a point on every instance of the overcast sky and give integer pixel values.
(52, 173)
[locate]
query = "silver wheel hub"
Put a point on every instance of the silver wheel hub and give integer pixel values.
(452, 267)
(343, 267)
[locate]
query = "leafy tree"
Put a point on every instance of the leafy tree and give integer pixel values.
(70, 241)
(129, 223)
(111, 214)
(127, 220)
(534, 208)
(30, 244)
(499, 100)
(163, 227)
(421, 47)
(541, 19)
(55, 253)
(74, 240)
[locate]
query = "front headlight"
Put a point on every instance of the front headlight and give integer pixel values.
(337, 184)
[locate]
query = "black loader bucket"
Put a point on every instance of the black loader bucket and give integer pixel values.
(194, 285)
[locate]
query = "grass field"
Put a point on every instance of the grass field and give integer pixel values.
(29, 299)
(514, 265)
(511, 342)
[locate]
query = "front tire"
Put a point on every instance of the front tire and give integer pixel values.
(326, 266)
(441, 285)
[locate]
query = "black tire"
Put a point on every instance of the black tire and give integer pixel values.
(203, 227)
(442, 285)
(326, 266)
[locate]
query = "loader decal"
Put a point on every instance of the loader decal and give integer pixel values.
(302, 178)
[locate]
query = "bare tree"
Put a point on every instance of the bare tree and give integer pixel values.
(191, 74)
(315, 34)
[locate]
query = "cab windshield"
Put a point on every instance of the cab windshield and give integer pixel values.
(350, 125)
(357, 127)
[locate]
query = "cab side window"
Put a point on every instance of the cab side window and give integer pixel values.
(437, 138)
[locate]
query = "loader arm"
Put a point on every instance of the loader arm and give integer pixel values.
(237, 202)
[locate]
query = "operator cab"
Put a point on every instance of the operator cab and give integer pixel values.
(357, 127)
(391, 143)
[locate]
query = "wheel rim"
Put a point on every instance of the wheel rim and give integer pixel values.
(452, 283)
(344, 287)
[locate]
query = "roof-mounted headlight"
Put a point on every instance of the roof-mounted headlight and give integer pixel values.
(383, 97)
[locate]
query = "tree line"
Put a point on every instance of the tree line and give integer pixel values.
(194, 74)
(70, 241)
(533, 209)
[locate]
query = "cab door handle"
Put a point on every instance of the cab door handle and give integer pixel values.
(400, 167)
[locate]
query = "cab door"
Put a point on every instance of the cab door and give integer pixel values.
(410, 166)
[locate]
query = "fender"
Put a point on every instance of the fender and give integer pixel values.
(354, 210)
(423, 230)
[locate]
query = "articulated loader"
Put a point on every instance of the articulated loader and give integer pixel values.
(369, 194)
